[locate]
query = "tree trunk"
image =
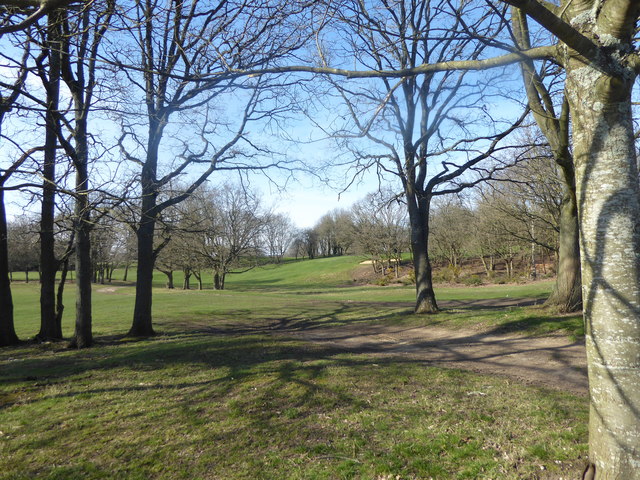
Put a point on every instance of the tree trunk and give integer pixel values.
(7, 329)
(218, 280)
(60, 293)
(83, 336)
(419, 220)
(48, 263)
(198, 276)
(609, 215)
(126, 272)
(142, 324)
(567, 292)
(169, 274)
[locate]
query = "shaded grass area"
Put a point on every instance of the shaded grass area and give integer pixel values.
(227, 406)
(218, 396)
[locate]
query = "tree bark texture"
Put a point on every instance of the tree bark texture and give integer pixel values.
(419, 223)
(142, 321)
(609, 214)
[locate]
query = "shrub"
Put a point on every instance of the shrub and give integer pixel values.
(472, 281)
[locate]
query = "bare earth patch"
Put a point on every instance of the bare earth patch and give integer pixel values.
(548, 361)
(108, 289)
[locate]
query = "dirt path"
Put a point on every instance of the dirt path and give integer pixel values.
(549, 361)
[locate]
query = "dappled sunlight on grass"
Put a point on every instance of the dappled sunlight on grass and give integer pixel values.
(209, 405)
(229, 390)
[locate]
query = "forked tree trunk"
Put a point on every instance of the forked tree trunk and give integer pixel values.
(198, 276)
(609, 213)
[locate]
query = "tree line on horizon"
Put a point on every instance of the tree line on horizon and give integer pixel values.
(227, 229)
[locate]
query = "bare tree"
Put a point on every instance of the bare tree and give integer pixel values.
(595, 43)
(450, 232)
(82, 35)
(23, 246)
(49, 73)
(334, 233)
(231, 231)
(177, 59)
(279, 232)
(530, 199)
(381, 230)
(417, 128)
(567, 294)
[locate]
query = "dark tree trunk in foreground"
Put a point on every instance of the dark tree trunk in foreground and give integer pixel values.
(50, 328)
(419, 220)
(142, 325)
(7, 330)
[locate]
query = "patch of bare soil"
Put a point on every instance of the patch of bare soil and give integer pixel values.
(549, 361)
(108, 289)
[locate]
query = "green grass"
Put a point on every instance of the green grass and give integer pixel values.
(217, 395)
(217, 406)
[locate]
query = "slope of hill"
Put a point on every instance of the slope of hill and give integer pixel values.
(299, 274)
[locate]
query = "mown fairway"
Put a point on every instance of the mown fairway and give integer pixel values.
(224, 392)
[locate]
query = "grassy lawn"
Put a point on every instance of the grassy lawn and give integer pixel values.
(216, 396)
